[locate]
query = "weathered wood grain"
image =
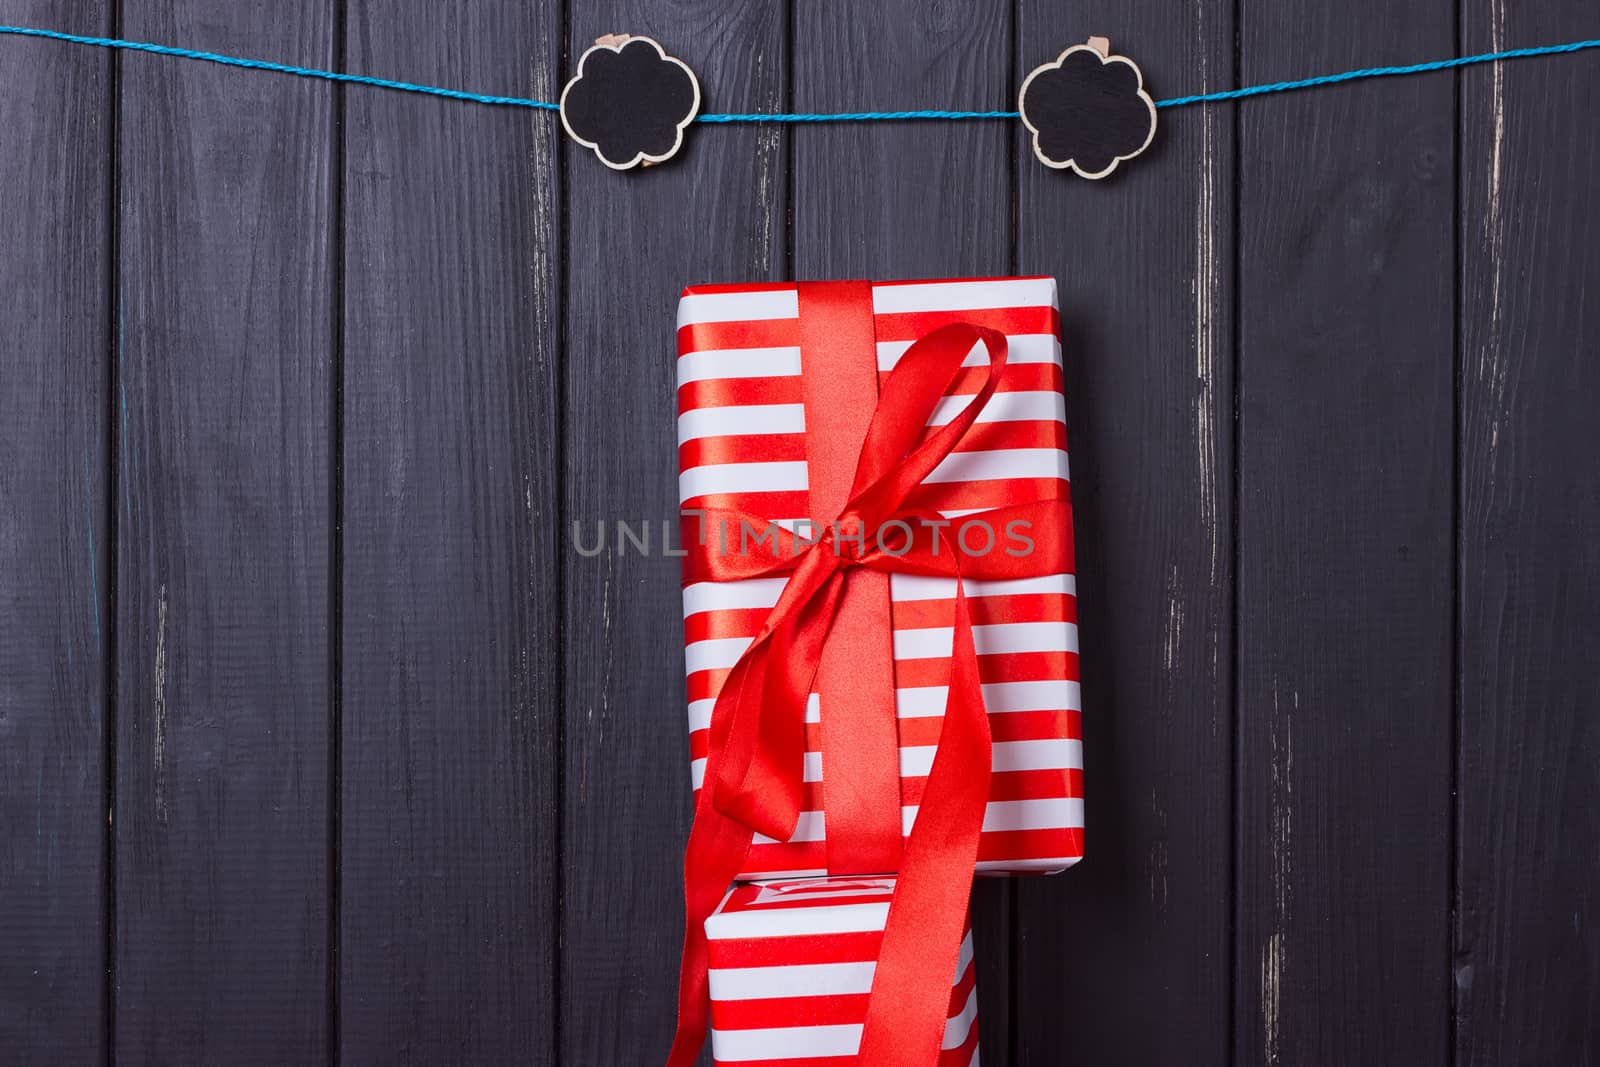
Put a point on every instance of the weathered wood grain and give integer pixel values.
(1346, 331)
(55, 621)
(714, 214)
(1126, 959)
(222, 551)
(911, 200)
(450, 638)
(1527, 929)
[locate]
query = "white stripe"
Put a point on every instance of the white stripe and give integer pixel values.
(999, 463)
(732, 596)
(959, 1026)
(1043, 754)
(1053, 813)
(807, 1042)
(743, 306)
(1045, 865)
(791, 922)
(916, 761)
(746, 478)
(1047, 814)
(714, 654)
(798, 980)
(931, 642)
(893, 299)
(1002, 697)
(743, 420)
(922, 701)
(928, 701)
(1029, 405)
(963, 959)
(700, 714)
(904, 587)
(1020, 348)
(811, 773)
(809, 827)
(785, 1042)
(799, 893)
(717, 363)
(764, 592)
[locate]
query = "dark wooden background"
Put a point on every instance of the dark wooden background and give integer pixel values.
(318, 744)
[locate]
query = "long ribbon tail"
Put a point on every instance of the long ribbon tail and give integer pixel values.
(910, 996)
(717, 849)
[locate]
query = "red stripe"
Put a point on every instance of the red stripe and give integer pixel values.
(785, 504)
(1010, 667)
(976, 496)
(1015, 378)
(791, 447)
(739, 392)
(700, 289)
(1006, 785)
(1008, 726)
(895, 282)
(749, 448)
(1016, 845)
(754, 333)
(837, 1010)
(932, 671)
(1010, 846)
(790, 389)
(910, 325)
(728, 622)
(986, 610)
(815, 948)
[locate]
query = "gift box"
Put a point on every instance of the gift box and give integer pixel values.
(791, 964)
(762, 382)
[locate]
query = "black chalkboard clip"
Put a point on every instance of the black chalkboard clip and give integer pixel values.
(630, 102)
(1087, 110)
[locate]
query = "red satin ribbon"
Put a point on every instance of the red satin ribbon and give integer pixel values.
(860, 744)
(755, 760)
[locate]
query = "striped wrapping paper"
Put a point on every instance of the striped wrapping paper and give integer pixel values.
(791, 965)
(739, 385)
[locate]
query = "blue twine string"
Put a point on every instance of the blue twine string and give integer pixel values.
(760, 116)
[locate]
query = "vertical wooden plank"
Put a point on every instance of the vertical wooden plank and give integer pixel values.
(911, 200)
(450, 625)
(1346, 331)
(222, 607)
(1527, 964)
(715, 214)
(1140, 931)
(55, 165)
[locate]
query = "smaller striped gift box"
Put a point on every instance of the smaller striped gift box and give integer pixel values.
(792, 964)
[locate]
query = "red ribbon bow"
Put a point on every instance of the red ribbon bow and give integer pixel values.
(755, 761)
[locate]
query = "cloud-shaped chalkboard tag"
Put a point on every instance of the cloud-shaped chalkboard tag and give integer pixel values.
(1088, 110)
(629, 101)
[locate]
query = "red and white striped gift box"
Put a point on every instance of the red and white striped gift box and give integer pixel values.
(742, 445)
(792, 964)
